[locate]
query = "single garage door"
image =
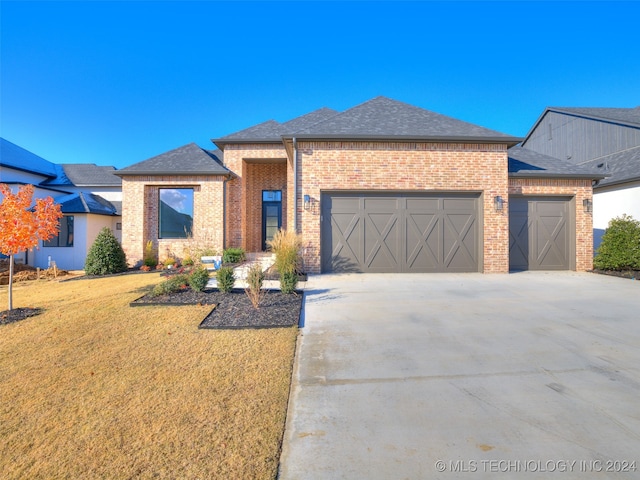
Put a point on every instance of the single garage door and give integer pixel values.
(540, 233)
(392, 232)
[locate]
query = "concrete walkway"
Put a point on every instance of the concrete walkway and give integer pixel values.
(466, 376)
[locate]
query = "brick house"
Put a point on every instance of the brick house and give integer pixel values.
(381, 187)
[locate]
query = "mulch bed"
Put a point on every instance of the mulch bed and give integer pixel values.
(17, 314)
(631, 274)
(234, 309)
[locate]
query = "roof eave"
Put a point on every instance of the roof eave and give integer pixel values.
(220, 142)
(510, 141)
(173, 173)
(594, 117)
(580, 176)
(620, 182)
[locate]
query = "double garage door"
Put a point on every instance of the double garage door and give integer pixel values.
(393, 232)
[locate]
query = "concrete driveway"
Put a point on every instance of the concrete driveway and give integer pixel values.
(466, 376)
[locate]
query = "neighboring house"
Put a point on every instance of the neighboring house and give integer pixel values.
(381, 187)
(90, 197)
(605, 140)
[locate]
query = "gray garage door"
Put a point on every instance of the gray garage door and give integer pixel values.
(391, 232)
(540, 233)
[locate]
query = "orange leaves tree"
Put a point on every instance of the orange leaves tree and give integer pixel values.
(23, 225)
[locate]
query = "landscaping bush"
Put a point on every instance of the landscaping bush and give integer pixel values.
(226, 279)
(620, 247)
(286, 245)
(172, 284)
(288, 282)
(149, 256)
(255, 278)
(233, 255)
(105, 255)
(199, 278)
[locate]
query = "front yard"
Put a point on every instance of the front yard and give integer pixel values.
(93, 388)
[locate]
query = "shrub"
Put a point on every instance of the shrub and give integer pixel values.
(255, 278)
(171, 285)
(233, 255)
(149, 256)
(286, 246)
(105, 255)
(198, 279)
(288, 282)
(620, 247)
(225, 279)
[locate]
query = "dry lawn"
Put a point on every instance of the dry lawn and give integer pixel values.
(94, 388)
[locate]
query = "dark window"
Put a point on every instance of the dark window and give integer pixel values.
(175, 213)
(272, 195)
(65, 235)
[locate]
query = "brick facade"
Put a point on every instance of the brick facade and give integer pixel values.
(579, 190)
(425, 167)
(268, 162)
(262, 176)
(335, 166)
(140, 205)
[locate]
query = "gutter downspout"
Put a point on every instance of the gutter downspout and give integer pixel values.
(295, 185)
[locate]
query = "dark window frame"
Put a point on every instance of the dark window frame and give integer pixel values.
(67, 234)
(176, 234)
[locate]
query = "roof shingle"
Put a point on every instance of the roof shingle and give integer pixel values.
(189, 159)
(527, 163)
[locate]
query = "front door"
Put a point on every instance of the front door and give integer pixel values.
(271, 215)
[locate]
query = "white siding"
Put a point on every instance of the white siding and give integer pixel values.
(611, 203)
(86, 229)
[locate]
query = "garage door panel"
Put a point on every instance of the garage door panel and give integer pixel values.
(459, 235)
(539, 233)
(381, 249)
(423, 234)
(402, 232)
(518, 238)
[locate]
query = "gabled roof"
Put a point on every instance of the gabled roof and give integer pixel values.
(13, 156)
(306, 121)
(623, 167)
(272, 131)
(84, 202)
(624, 116)
(378, 119)
(186, 160)
(85, 175)
(90, 174)
(266, 132)
(527, 163)
(629, 117)
(385, 119)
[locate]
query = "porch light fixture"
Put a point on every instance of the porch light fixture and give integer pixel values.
(498, 203)
(587, 205)
(307, 202)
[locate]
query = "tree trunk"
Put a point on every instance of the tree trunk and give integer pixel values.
(10, 282)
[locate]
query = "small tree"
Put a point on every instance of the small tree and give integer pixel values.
(105, 255)
(620, 247)
(22, 227)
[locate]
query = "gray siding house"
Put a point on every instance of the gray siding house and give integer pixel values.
(604, 140)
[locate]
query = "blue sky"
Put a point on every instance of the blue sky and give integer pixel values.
(115, 83)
